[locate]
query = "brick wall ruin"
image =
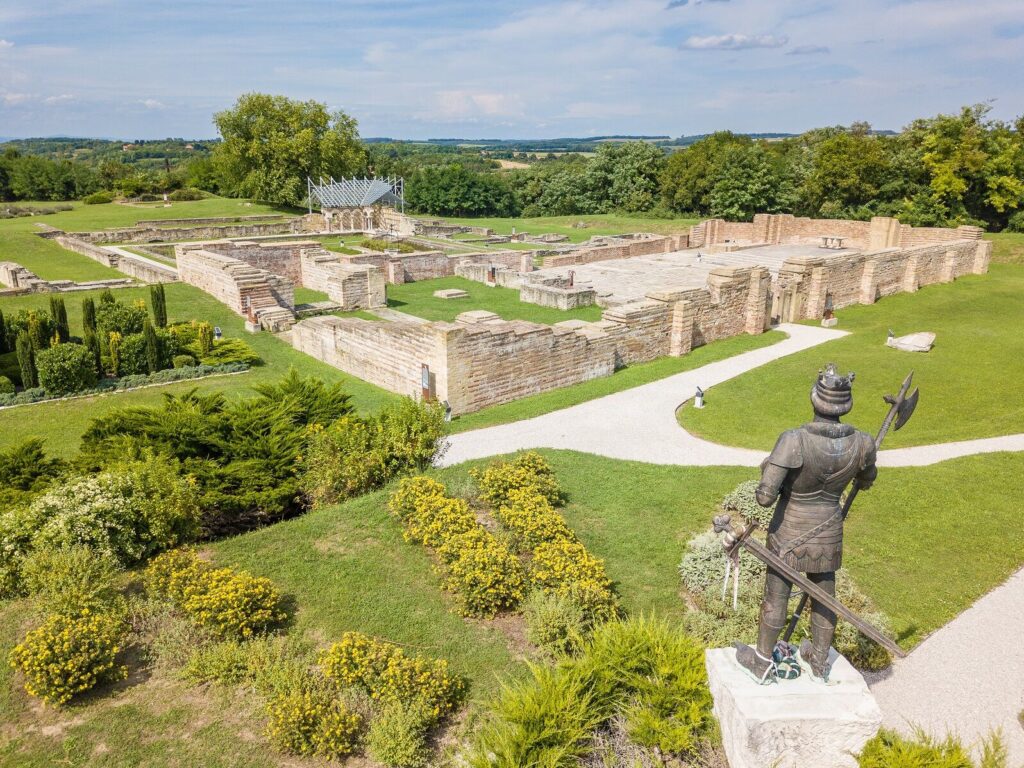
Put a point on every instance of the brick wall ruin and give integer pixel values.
(251, 292)
(138, 267)
(482, 360)
(620, 248)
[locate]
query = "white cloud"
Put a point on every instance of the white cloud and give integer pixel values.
(17, 98)
(58, 99)
(153, 104)
(464, 104)
(733, 42)
(5, 44)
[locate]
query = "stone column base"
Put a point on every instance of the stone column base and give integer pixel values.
(791, 723)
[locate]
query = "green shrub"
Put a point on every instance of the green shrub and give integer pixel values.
(531, 519)
(70, 579)
(1016, 222)
(353, 455)
(272, 664)
(387, 675)
(26, 467)
(117, 317)
(229, 351)
(67, 656)
(890, 750)
(398, 736)
(185, 194)
(136, 509)
(703, 565)
(743, 502)
(6, 386)
(98, 198)
(639, 670)
(313, 723)
(66, 368)
(566, 567)
(183, 361)
(555, 623)
(379, 244)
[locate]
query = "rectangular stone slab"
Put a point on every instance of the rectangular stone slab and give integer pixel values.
(791, 723)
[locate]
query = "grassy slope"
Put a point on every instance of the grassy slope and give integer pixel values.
(601, 224)
(970, 381)
(918, 543)
(61, 424)
(1007, 248)
(625, 378)
(418, 299)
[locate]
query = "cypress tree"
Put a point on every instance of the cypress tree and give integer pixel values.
(107, 297)
(3, 333)
(37, 332)
(158, 299)
(59, 313)
(115, 353)
(26, 360)
(152, 346)
(92, 343)
(88, 315)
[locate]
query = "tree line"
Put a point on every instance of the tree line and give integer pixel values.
(963, 168)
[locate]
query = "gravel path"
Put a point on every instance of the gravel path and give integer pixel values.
(967, 677)
(640, 423)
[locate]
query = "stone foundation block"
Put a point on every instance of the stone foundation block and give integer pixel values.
(451, 293)
(792, 723)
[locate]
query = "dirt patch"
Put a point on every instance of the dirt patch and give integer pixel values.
(512, 164)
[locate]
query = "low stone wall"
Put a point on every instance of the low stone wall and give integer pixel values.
(559, 295)
(208, 220)
(200, 231)
(247, 290)
(280, 258)
(631, 248)
(352, 286)
(481, 360)
(141, 269)
(490, 275)
(22, 280)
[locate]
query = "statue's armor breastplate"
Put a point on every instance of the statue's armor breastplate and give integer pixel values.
(806, 529)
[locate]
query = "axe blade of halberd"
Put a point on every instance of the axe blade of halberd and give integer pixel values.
(906, 409)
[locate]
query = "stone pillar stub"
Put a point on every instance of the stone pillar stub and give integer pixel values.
(792, 723)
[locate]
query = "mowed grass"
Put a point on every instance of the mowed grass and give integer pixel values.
(924, 543)
(599, 224)
(20, 243)
(61, 424)
(1007, 247)
(418, 299)
(970, 382)
(625, 378)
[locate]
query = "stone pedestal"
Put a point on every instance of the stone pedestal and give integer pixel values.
(792, 723)
(830, 322)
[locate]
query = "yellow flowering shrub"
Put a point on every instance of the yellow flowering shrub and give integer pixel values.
(486, 576)
(531, 519)
(564, 567)
(69, 655)
(312, 723)
(527, 470)
(386, 674)
(231, 603)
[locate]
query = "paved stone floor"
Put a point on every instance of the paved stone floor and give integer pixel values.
(622, 280)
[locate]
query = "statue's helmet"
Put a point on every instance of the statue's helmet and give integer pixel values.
(832, 394)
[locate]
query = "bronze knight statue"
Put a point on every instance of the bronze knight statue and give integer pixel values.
(807, 472)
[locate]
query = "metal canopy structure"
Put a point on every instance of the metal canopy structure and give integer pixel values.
(357, 193)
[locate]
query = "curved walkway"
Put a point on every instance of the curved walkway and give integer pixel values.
(640, 424)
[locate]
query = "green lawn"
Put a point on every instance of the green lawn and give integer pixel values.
(19, 243)
(61, 424)
(970, 382)
(625, 378)
(601, 224)
(1007, 247)
(924, 544)
(418, 299)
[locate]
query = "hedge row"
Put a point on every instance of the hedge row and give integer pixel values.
(38, 394)
(486, 576)
(523, 493)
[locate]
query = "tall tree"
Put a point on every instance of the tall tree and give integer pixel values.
(272, 143)
(59, 313)
(750, 181)
(691, 173)
(88, 314)
(158, 299)
(26, 360)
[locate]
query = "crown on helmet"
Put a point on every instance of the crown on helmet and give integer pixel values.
(832, 394)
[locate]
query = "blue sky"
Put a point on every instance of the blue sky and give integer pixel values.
(544, 68)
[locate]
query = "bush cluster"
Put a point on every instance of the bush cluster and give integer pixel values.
(523, 492)
(69, 655)
(485, 575)
(65, 368)
(354, 455)
(743, 502)
(638, 670)
(313, 722)
(230, 603)
(387, 675)
(889, 749)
